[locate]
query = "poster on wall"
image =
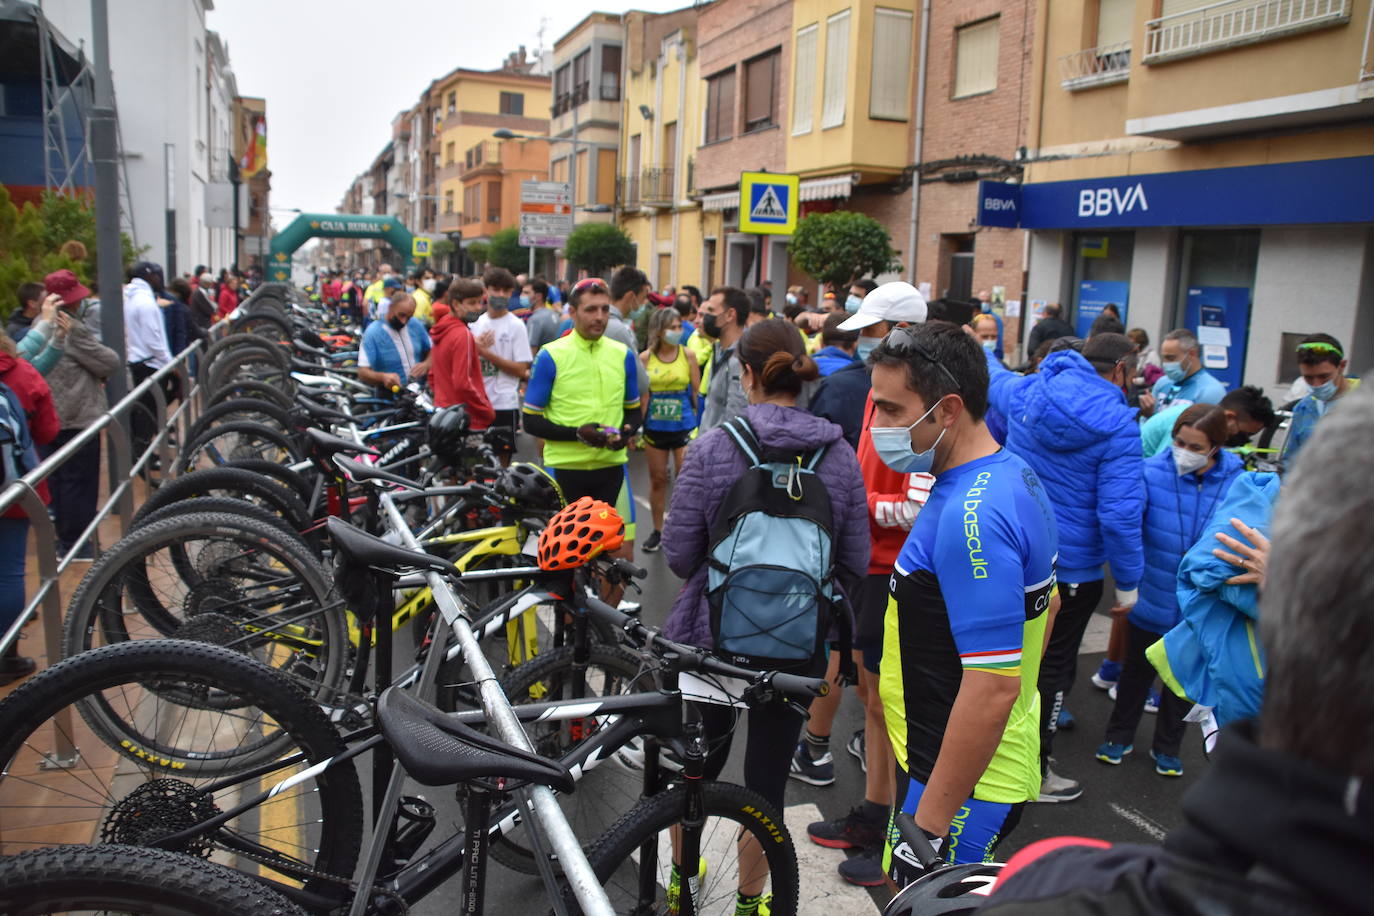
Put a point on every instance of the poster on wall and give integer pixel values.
(1220, 317)
(1094, 296)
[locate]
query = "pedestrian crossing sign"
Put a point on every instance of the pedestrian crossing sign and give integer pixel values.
(768, 203)
(419, 247)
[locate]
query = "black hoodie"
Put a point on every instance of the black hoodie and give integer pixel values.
(1264, 833)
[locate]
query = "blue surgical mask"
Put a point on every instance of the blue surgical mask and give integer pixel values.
(989, 345)
(852, 304)
(893, 445)
(1325, 391)
(1175, 372)
(673, 337)
(524, 301)
(867, 345)
(791, 299)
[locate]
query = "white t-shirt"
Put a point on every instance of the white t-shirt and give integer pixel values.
(512, 343)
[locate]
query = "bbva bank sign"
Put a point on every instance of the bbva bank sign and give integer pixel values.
(1111, 201)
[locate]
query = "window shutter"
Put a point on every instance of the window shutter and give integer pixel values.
(890, 76)
(804, 81)
(976, 69)
(758, 91)
(1174, 7)
(1114, 21)
(836, 69)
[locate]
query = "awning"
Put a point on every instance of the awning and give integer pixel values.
(811, 189)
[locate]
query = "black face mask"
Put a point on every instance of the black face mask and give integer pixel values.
(710, 326)
(498, 303)
(1238, 440)
(396, 323)
(470, 317)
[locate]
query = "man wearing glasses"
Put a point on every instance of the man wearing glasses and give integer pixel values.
(1322, 362)
(972, 599)
(583, 401)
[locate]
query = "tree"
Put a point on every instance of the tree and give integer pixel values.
(841, 247)
(506, 251)
(478, 252)
(597, 247)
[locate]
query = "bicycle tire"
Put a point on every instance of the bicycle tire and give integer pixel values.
(266, 324)
(231, 342)
(295, 481)
(248, 388)
(252, 363)
(277, 442)
(228, 506)
(278, 607)
(131, 879)
(586, 809)
(253, 410)
(145, 714)
(240, 483)
(244, 351)
(614, 855)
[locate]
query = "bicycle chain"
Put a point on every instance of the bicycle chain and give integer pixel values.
(306, 870)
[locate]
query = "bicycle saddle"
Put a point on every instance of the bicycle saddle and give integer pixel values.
(358, 472)
(360, 548)
(437, 750)
(320, 413)
(323, 446)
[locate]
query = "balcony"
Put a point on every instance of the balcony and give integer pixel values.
(450, 221)
(629, 192)
(656, 187)
(486, 154)
(1233, 23)
(451, 170)
(1100, 66)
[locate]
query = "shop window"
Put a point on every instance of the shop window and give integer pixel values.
(1216, 288)
(975, 69)
(1101, 276)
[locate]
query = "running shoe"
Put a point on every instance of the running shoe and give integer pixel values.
(865, 870)
(1067, 722)
(1111, 752)
(853, 831)
(1108, 673)
(1152, 702)
(1166, 765)
(858, 748)
(818, 772)
(1055, 788)
(653, 542)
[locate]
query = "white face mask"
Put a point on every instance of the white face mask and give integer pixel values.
(1189, 462)
(429, 285)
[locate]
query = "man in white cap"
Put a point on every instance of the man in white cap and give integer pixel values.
(889, 305)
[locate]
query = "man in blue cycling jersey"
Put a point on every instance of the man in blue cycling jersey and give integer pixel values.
(972, 599)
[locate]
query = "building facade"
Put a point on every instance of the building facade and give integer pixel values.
(1208, 165)
(588, 74)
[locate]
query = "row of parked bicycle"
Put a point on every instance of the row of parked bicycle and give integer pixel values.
(232, 660)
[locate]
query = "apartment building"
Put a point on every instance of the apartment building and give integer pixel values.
(588, 70)
(1209, 165)
(492, 171)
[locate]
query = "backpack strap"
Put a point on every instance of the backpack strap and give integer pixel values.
(743, 436)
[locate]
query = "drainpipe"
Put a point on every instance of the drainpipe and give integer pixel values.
(920, 135)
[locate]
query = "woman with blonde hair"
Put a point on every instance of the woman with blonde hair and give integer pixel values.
(670, 413)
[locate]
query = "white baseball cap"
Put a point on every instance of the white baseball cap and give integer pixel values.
(896, 301)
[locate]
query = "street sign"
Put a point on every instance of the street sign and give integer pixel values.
(768, 203)
(546, 213)
(419, 247)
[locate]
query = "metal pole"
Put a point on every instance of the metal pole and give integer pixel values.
(105, 156)
(530, 272)
(237, 182)
(591, 896)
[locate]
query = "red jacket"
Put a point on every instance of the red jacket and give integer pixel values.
(885, 485)
(456, 373)
(36, 399)
(228, 300)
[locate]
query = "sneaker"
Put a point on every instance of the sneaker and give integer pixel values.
(1111, 693)
(1066, 721)
(86, 554)
(1152, 702)
(1166, 765)
(753, 906)
(853, 831)
(1111, 752)
(858, 748)
(653, 542)
(818, 772)
(1056, 788)
(675, 885)
(1108, 673)
(864, 870)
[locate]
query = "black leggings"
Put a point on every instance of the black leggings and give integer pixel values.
(1137, 674)
(1060, 664)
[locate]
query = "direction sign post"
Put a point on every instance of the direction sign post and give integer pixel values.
(546, 215)
(768, 205)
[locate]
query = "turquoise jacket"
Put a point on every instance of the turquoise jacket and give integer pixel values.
(39, 347)
(1213, 656)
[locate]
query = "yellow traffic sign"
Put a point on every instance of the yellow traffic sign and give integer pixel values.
(419, 247)
(768, 203)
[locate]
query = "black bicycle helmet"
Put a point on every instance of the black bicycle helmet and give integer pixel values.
(149, 272)
(448, 431)
(530, 487)
(947, 891)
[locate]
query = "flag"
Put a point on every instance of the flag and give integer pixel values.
(255, 157)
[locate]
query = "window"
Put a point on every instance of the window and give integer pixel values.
(760, 96)
(1114, 21)
(667, 157)
(581, 76)
(448, 201)
(804, 80)
(494, 202)
(720, 106)
(976, 68)
(584, 180)
(512, 103)
(605, 177)
(561, 87)
(472, 203)
(890, 75)
(610, 73)
(836, 68)
(452, 102)
(448, 154)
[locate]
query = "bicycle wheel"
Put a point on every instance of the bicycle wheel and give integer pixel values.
(237, 440)
(643, 839)
(603, 793)
(298, 483)
(247, 388)
(227, 505)
(131, 879)
(238, 409)
(248, 363)
(159, 731)
(217, 578)
(236, 483)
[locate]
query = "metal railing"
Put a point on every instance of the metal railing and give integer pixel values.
(1099, 66)
(1237, 22)
(629, 192)
(657, 186)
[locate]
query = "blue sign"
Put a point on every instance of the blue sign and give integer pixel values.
(1093, 296)
(1220, 317)
(1322, 191)
(999, 204)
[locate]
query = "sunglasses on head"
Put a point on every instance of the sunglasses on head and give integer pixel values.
(902, 342)
(593, 283)
(1318, 346)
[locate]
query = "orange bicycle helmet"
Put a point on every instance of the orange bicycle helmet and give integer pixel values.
(578, 532)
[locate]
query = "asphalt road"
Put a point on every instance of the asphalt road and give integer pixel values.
(1126, 803)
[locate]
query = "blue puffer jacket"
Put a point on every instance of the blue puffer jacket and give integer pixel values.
(1213, 656)
(1074, 429)
(1177, 509)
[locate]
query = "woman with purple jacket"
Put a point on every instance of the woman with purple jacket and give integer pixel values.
(774, 365)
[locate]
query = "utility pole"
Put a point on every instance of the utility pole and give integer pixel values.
(105, 156)
(236, 181)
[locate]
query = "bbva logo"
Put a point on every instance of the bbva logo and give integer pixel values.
(1108, 201)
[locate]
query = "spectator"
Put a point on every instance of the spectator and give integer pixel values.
(1185, 381)
(985, 331)
(504, 345)
(774, 369)
(758, 305)
(1071, 424)
(630, 288)
(1106, 323)
(1248, 411)
(181, 330)
(204, 311)
(858, 292)
(671, 412)
(837, 347)
(228, 296)
(455, 365)
(30, 296)
(723, 319)
(880, 308)
(798, 296)
(1146, 355)
(985, 308)
(29, 401)
(1322, 362)
(544, 317)
(1303, 769)
(391, 288)
(1051, 326)
(396, 350)
(844, 384)
(36, 345)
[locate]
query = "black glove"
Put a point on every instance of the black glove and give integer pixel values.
(593, 434)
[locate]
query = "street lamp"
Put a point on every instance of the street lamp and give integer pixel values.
(505, 133)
